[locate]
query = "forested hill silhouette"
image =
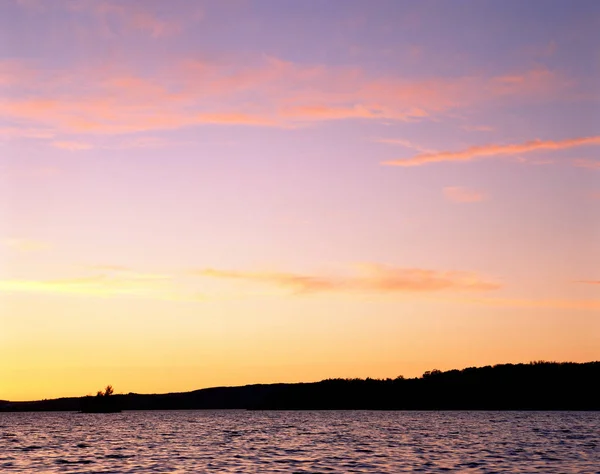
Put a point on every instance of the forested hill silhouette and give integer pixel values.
(533, 386)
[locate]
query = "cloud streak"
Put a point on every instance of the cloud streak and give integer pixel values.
(582, 305)
(493, 150)
(478, 128)
(589, 282)
(371, 278)
(586, 163)
(115, 17)
(108, 281)
(94, 286)
(112, 99)
(463, 195)
(404, 143)
(72, 146)
(26, 245)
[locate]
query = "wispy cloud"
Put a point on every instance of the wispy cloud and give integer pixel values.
(533, 161)
(126, 273)
(268, 92)
(110, 268)
(589, 282)
(109, 281)
(463, 195)
(541, 50)
(587, 163)
(404, 143)
(133, 16)
(72, 146)
(478, 128)
(117, 17)
(25, 132)
(296, 282)
(96, 285)
(537, 82)
(493, 150)
(370, 278)
(583, 305)
(143, 142)
(26, 245)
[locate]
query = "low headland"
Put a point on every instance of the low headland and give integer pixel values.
(532, 386)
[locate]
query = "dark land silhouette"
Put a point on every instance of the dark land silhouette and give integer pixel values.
(533, 386)
(103, 402)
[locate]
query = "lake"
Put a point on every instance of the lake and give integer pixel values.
(303, 442)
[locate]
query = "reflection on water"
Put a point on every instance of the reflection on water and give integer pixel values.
(241, 441)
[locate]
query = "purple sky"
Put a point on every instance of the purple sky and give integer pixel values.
(261, 191)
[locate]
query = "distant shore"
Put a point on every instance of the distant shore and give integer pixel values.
(531, 386)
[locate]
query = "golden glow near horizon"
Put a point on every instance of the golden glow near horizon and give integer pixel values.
(220, 193)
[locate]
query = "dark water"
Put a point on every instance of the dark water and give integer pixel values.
(240, 441)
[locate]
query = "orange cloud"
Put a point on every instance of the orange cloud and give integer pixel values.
(371, 278)
(589, 282)
(463, 195)
(299, 283)
(492, 150)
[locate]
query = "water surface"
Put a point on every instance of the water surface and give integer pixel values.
(303, 442)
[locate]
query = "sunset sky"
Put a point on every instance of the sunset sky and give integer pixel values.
(220, 193)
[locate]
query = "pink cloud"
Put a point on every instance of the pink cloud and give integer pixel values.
(404, 143)
(129, 15)
(72, 146)
(463, 195)
(24, 132)
(273, 92)
(478, 128)
(134, 17)
(587, 163)
(536, 82)
(542, 50)
(533, 161)
(493, 150)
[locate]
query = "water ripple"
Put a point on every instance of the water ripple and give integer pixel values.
(302, 442)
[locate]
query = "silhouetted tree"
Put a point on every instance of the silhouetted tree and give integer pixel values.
(107, 392)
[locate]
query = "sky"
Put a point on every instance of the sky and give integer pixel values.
(198, 194)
